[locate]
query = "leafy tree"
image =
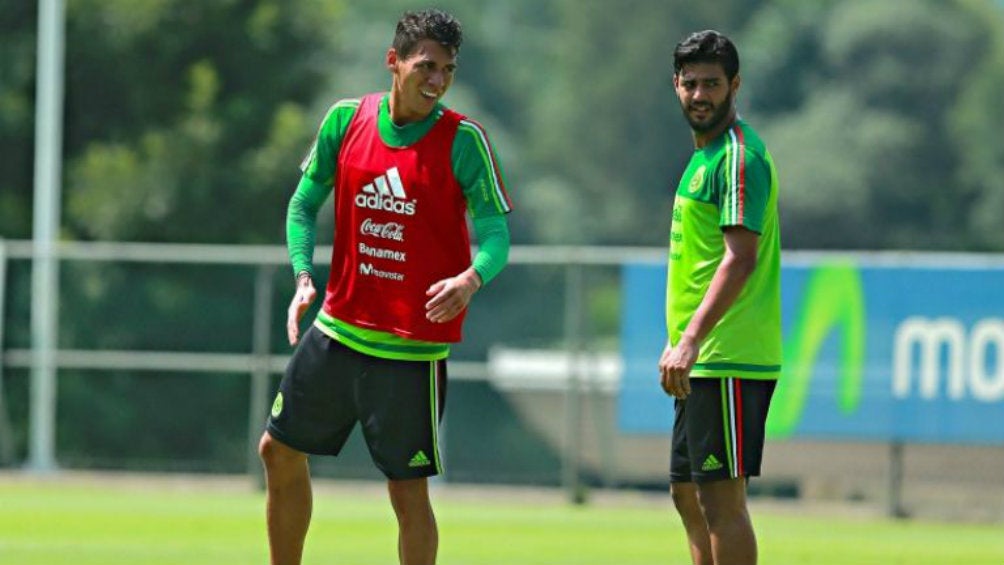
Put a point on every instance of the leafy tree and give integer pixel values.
(975, 127)
(857, 100)
(17, 116)
(194, 132)
(607, 139)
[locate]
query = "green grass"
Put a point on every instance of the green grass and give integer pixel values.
(125, 521)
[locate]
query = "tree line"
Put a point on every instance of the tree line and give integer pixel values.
(185, 121)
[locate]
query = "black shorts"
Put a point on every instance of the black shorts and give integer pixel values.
(328, 387)
(718, 432)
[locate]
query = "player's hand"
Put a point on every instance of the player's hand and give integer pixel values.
(302, 300)
(675, 365)
(450, 296)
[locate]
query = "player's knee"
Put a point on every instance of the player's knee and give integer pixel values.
(684, 497)
(721, 507)
(408, 490)
(274, 454)
(679, 497)
(410, 499)
(265, 448)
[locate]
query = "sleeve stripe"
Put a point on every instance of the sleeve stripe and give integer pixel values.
(736, 159)
(346, 102)
(502, 202)
(343, 103)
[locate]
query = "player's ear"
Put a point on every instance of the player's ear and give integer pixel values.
(391, 61)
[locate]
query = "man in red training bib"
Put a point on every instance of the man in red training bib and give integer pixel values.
(405, 172)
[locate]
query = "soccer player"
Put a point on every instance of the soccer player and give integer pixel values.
(405, 172)
(723, 312)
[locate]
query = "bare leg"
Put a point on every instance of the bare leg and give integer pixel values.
(418, 537)
(287, 480)
(686, 502)
(733, 541)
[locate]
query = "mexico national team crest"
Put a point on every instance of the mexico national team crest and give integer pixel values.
(277, 406)
(697, 180)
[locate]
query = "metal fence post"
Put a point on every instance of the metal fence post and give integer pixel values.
(45, 233)
(571, 458)
(894, 489)
(260, 368)
(6, 436)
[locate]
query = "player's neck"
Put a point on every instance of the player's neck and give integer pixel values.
(701, 139)
(399, 115)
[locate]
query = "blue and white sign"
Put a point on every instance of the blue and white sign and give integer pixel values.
(872, 350)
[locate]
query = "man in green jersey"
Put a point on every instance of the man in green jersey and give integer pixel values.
(723, 355)
(405, 172)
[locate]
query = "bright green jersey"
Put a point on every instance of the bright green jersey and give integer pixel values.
(729, 182)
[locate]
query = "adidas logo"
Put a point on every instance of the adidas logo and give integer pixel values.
(386, 192)
(419, 460)
(711, 464)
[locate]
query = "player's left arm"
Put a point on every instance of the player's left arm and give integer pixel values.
(476, 167)
(742, 202)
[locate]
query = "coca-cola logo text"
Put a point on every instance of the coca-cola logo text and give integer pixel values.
(390, 230)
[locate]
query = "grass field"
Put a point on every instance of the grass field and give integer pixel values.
(130, 520)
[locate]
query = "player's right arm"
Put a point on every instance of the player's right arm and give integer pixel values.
(743, 196)
(301, 219)
(734, 270)
(301, 215)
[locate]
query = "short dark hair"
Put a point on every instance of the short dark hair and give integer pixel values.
(427, 24)
(707, 46)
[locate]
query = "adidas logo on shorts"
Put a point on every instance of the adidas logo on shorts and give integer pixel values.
(711, 464)
(419, 460)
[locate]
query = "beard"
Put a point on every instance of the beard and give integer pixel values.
(718, 114)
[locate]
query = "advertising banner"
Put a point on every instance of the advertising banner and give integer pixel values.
(877, 350)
